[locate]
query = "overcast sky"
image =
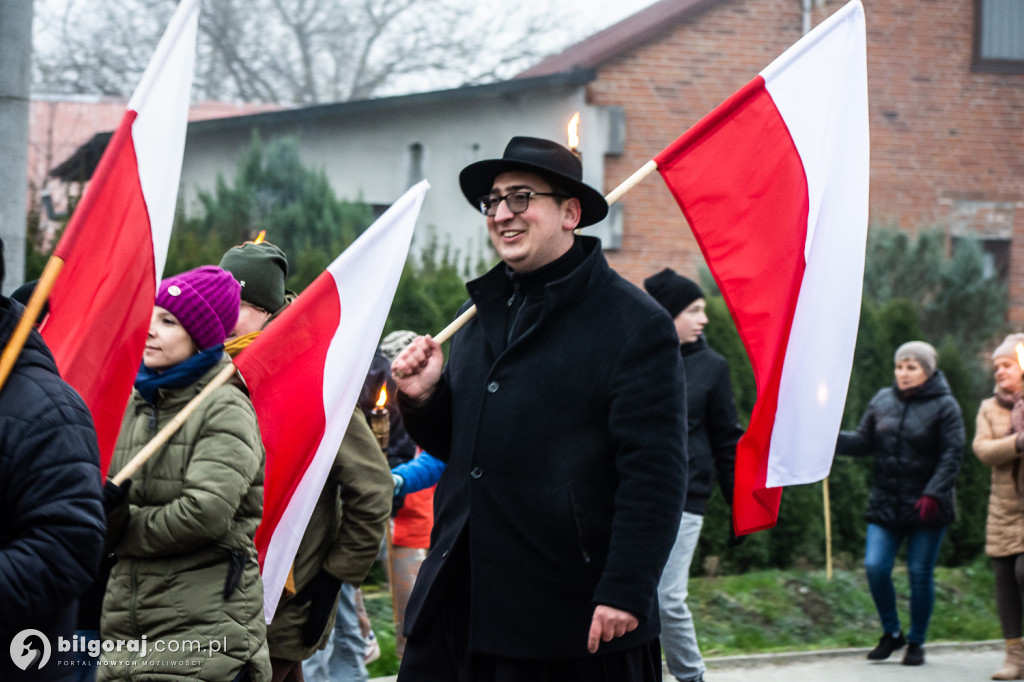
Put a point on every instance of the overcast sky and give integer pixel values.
(569, 21)
(607, 12)
(596, 15)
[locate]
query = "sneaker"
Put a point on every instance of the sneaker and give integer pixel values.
(914, 655)
(372, 648)
(886, 645)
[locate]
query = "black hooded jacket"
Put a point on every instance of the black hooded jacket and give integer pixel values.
(51, 516)
(918, 443)
(712, 427)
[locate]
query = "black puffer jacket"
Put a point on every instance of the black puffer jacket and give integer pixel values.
(51, 517)
(712, 428)
(918, 443)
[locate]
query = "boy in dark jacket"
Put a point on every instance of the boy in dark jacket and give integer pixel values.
(712, 435)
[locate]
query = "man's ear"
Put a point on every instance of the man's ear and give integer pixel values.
(571, 213)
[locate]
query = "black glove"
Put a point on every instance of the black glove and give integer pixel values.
(734, 540)
(322, 592)
(115, 496)
(115, 504)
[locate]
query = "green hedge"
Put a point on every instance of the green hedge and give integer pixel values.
(913, 290)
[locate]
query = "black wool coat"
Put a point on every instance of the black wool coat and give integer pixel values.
(51, 518)
(713, 429)
(566, 464)
(918, 444)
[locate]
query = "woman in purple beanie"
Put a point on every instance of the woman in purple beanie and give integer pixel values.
(186, 586)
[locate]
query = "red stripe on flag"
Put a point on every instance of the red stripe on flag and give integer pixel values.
(101, 304)
(739, 180)
(290, 405)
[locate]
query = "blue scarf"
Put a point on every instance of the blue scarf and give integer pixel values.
(177, 376)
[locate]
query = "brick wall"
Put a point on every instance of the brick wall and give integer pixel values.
(947, 145)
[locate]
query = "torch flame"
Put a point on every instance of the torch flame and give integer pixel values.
(1020, 355)
(574, 127)
(383, 397)
(260, 236)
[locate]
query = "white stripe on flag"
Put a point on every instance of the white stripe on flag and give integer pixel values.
(821, 91)
(161, 101)
(366, 275)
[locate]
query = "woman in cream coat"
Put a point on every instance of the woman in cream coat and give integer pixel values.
(997, 447)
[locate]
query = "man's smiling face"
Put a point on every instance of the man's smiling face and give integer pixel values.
(538, 235)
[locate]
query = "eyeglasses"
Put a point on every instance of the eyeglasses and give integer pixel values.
(517, 201)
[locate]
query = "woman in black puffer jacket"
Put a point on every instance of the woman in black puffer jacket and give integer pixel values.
(916, 433)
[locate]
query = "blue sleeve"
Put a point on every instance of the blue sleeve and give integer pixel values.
(420, 472)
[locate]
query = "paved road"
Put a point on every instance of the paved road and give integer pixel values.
(944, 662)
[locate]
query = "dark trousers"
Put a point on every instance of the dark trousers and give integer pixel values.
(1009, 575)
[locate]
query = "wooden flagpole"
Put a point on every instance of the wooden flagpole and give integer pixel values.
(613, 196)
(35, 305)
(165, 433)
(828, 528)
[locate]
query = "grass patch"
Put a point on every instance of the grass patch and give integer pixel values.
(793, 610)
(377, 600)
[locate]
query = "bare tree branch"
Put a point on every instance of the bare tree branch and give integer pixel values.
(297, 51)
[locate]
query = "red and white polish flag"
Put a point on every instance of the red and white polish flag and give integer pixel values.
(115, 244)
(304, 373)
(774, 185)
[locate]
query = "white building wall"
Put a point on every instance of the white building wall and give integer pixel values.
(368, 154)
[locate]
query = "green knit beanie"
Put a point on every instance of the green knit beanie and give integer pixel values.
(261, 270)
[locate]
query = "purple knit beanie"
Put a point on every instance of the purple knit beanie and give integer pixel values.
(205, 300)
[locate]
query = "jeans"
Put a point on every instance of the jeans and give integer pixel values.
(922, 553)
(678, 638)
(342, 659)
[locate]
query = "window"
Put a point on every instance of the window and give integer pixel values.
(415, 163)
(995, 254)
(999, 36)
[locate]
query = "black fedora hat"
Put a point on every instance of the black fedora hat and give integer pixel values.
(549, 160)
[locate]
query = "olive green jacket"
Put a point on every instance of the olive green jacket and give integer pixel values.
(343, 536)
(192, 513)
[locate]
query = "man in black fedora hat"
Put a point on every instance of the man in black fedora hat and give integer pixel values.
(557, 413)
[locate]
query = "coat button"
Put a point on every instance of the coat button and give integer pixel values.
(477, 472)
(444, 554)
(493, 387)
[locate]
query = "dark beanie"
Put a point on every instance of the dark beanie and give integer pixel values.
(673, 291)
(22, 295)
(261, 270)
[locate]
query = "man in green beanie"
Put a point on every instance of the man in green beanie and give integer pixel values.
(261, 270)
(331, 552)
